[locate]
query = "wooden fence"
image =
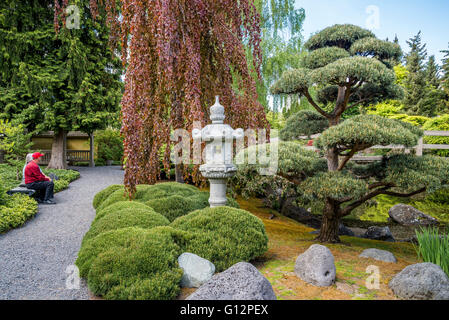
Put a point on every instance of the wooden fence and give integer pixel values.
(72, 156)
(419, 148)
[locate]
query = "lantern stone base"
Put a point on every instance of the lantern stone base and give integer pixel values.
(218, 176)
(217, 193)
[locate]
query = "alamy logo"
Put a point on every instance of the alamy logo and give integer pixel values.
(373, 281)
(73, 278)
(373, 20)
(73, 17)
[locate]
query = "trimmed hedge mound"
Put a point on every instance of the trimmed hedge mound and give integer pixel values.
(102, 195)
(146, 219)
(121, 206)
(131, 251)
(175, 206)
(132, 263)
(146, 192)
(224, 235)
(171, 199)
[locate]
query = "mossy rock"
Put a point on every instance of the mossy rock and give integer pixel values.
(224, 235)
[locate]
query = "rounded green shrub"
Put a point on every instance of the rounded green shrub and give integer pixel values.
(132, 263)
(224, 235)
(104, 194)
(175, 206)
(118, 195)
(120, 238)
(142, 218)
(145, 193)
(121, 206)
(16, 210)
(144, 268)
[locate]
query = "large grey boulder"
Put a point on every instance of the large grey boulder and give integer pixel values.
(316, 266)
(379, 255)
(409, 216)
(422, 281)
(342, 231)
(196, 270)
(242, 281)
(379, 233)
(345, 231)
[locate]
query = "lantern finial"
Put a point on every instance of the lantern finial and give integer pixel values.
(217, 112)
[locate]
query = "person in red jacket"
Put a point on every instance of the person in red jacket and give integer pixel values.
(36, 180)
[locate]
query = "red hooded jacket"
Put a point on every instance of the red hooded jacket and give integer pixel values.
(33, 173)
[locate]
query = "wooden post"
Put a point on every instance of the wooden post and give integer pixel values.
(65, 159)
(419, 147)
(91, 156)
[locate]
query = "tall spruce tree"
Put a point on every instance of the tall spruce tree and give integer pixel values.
(445, 79)
(62, 81)
(432, 73)
(432, 102)
(415, 83)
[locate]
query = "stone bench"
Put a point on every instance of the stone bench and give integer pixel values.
(21, 190)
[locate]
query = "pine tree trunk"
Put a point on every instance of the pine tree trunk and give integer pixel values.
(330, 223)
(332, 159)
(179, 173)
(91, 150)
(58, 151)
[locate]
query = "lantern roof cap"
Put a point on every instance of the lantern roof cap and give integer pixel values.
(217, 112)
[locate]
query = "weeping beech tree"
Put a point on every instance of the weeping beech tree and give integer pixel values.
(179, 55)
(351, 68)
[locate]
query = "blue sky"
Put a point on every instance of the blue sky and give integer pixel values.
(402, 17)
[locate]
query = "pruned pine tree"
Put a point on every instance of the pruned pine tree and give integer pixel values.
(351, 68)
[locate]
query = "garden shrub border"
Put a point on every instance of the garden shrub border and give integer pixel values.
(111, 260)
(20, 208)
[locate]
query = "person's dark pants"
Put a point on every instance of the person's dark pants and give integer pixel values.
(44, 189)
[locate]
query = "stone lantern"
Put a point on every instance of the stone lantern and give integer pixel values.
(218, 167)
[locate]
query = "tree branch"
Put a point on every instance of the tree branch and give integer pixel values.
(351, 154)
(375, 193)
(315, 105)
(357, 103)
(346, 159)
(361, 201)
(405, 195)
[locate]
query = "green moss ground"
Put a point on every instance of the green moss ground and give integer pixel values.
(288, 239)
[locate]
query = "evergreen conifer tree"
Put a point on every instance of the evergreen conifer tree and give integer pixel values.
(57, 81)
(415, 83)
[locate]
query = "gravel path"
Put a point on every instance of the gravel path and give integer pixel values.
(34, 259)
